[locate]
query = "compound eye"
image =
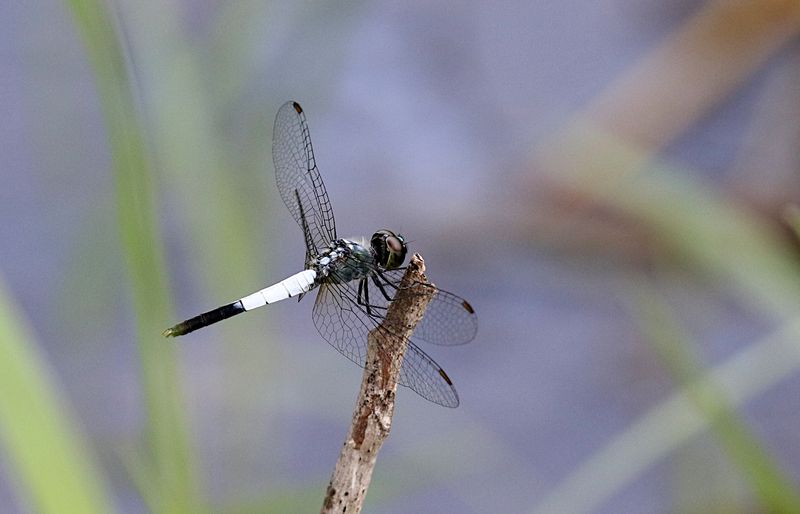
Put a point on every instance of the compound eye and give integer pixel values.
(394, 244)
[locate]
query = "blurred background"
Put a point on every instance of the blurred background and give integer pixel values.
(611, 184)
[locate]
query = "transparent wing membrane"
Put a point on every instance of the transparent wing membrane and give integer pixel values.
(299, 182)
(449, 319)
(345, 322)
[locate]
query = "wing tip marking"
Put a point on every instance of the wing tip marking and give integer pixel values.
(445, 377)
(467, 307)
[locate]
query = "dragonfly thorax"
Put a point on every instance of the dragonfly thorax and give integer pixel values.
(344, 260)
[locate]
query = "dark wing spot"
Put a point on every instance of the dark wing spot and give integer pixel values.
(445, 377)
(468, 307)
(297, 107)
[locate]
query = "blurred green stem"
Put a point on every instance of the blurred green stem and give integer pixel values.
(672, 422)
(712, 235)
(167, 434)
(775, 491)
(40, 438)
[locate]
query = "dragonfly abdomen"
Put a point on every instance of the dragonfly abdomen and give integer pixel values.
(205, 319)
(298, 283)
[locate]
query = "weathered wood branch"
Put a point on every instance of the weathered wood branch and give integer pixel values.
(372, 419)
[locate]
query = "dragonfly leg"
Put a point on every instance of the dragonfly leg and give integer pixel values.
(386, 281)
(362, 298)
(363, 295)
(380, 286)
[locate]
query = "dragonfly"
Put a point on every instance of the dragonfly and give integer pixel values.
(356, 280)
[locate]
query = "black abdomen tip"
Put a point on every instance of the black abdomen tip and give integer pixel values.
(205, 319)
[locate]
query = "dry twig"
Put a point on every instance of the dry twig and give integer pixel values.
(372, 419)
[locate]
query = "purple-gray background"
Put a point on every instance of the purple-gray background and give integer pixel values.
(424, 117)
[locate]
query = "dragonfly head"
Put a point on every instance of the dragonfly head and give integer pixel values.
(389, 248)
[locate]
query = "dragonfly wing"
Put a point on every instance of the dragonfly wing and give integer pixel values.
(346, 325)
(299, 181)
(449, 319)
(338, 323)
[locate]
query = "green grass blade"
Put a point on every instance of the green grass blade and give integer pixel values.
(772, 487)
(166, 432)
(673, 422)
(40, 437)
(684, 217)
(718, 239)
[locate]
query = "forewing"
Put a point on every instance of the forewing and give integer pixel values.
(449, 319)
(299, 181)
(346, 325)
